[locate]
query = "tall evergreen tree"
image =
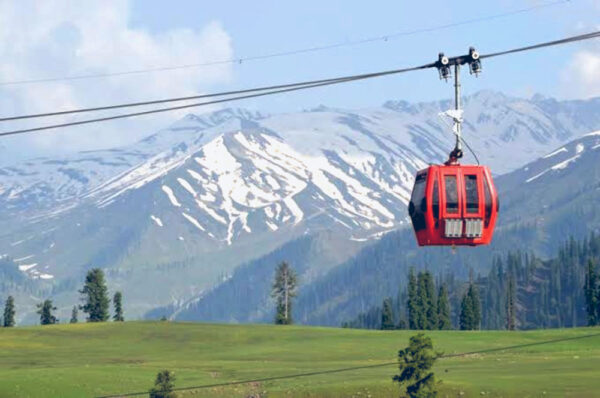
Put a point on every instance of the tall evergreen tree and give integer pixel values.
(443, 308)
(422, 302)
(510, 304)
(74, 314)
(475, 306)
(466, 312)
(387, 315)
(412, 304)
(431, 312)
(591, 292)
(9, 312)
(95, 296)
(117, 302)
(45, 311)
(284, 290)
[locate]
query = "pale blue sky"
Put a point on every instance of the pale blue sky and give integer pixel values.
(259, 27)
(57, 38)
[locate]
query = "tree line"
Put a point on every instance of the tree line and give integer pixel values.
(592, 293)
(422, 306)
(520, 291)
(95, 304)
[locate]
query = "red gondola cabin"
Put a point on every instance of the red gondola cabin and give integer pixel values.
(454, 205)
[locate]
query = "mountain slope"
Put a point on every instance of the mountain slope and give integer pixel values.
(187, 205)
(542, 204)
(556, 195)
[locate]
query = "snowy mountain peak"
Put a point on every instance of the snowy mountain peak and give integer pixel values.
(240, 179)
(577, 156)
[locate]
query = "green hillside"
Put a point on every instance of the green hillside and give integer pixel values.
(99, 359)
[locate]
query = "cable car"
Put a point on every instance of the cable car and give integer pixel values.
(453, 204)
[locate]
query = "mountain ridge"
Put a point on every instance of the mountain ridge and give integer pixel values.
(212, 192)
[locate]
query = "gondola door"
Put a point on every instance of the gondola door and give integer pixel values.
(451, 202)
(472, 206)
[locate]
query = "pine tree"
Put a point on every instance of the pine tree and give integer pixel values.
(431, 311)
(163, 385)
(284, 290)
(422, 302)
(475, 306)
(510, 304)
(387, 315)
(74, 315)
(443, 308)
(117, 302)
(45, 311)
(591, 291)
(412, 303)
(415, 363)
(95, 296)
(9, 312)
(466, 312)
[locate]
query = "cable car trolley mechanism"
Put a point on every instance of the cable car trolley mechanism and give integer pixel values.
(453, 204)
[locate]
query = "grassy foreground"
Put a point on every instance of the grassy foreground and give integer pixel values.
(98, 359)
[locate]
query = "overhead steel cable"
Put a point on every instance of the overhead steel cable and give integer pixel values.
(571, 39)
(348, 369)
(334, 80)
(261, 93)
(240, 60)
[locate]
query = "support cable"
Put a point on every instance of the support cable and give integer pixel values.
(290, 87)
(316, 373)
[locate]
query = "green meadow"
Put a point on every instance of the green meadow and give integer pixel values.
(88, 360)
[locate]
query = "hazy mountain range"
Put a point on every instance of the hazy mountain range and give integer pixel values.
(172, 216)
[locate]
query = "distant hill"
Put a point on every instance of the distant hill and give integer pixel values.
(542, 204)
(171, 216)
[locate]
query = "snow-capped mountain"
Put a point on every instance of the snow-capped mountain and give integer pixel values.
(194, 200)
(542, 204)
(558, 194)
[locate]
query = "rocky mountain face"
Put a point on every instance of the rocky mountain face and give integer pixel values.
(176, 213)
(543, 204)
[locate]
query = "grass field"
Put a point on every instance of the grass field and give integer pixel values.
(87, 360)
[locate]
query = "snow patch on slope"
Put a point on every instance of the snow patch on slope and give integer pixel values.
(157, 220)
(563, 149)
(193, 221)
(166, 189)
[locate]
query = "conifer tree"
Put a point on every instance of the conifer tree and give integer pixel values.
(415, 363)
(284, 290)
(45, 311)
(163, 385)
(431, 312)
(443, 308)
(74, 314)
(9, 312)
(422, 302)
(117, 302)
(475, 306)
(466, 312)
(387, 315)
(95, 296)
(412, 303)
(591, 292)
(510, 304)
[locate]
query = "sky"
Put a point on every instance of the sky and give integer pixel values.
(70, 38)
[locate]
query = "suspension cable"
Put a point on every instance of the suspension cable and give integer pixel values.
(379, 365)
(290, 87)
(307, 83)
